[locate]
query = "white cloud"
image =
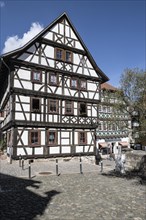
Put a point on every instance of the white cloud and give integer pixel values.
(2, 4)
(14, 42)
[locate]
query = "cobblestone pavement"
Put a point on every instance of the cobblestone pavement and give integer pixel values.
(69, 195)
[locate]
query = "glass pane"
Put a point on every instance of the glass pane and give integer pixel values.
(34, 137)
(68, 56)
(53, 79)
(51, 137)
(36, 104)
(59, 54)
(74, 83)
(36, 76)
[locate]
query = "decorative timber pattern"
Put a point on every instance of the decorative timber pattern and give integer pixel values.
(50, 95)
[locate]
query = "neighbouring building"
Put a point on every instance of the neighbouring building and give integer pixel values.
(112, 133)
(49, 95)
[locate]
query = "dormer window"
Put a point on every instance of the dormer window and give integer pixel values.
(53, 79)
(36, 76)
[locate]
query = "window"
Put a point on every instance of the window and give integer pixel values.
(83, 84)
(52, 137)
(63, 55)
(68, 56)
(53, 79)
(35, 105)
(82, 138)
(59, 54)
(34, 138)
(53, 106)
(74, 83)
(69, 108)
(82, 109)
(36, 76)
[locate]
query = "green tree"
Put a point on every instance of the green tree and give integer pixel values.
(132, 97)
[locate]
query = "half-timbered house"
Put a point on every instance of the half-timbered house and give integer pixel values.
(112, 132)
(49, 95)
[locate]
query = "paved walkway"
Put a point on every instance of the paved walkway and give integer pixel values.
(69, 196)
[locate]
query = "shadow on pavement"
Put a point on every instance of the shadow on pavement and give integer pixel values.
(128, 175)
(19, 202)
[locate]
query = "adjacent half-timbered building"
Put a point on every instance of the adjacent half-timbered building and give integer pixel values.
(112, 132)
(49, 95)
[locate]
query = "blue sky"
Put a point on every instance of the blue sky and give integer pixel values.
(114, 31)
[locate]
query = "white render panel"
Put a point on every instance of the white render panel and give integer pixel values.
(79, 149)
(26, 85)
(17, 83)
(66, 150)
(78, 45)
(19, 116)
(92, 86)
(54, 150)
(89, 149)
(76, 58)
(24, 137)
(48, 36)
(61, 29)
(65, 134)
(43, 137)
(24, 74)
(93, 73)
(55, 28)
(35, 59)
(49, 51)
(22, 152)
(38, 150)
(65, 141)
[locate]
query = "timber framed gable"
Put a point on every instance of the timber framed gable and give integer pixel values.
(51, 94)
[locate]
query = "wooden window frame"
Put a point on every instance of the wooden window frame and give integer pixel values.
(56, 138)
(38, 144)
(57, 106)
(79, 138)
(32, 76)
(72, 108)
(71, 79)
(56, 57)
(83, 80)
(35, 110)
(79, 107)
(71, 56)
(57, 79)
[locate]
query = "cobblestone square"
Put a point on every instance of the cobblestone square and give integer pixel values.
(71, 195)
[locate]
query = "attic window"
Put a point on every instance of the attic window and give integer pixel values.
(36, 76)
(35, 105)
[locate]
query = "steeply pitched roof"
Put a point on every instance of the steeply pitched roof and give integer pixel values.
(107, 86)
(104, 78)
